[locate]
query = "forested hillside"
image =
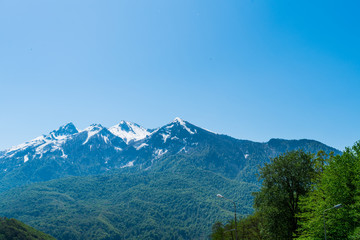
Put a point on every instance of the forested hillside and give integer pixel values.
(12, 229)
(166, 205)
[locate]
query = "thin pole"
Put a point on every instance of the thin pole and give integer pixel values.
(324, 225)
(236, 235)
(335, 206)
(221, 196)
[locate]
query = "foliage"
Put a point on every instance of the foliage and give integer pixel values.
(248, 228)
(339, 183)
(12, 229)
(179, 203)
(284, 180)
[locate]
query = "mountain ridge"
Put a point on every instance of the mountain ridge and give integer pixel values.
(68, 151)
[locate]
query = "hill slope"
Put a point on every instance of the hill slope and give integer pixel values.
(13, 229)
(166, 205)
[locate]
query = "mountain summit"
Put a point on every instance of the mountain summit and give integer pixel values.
(65, 130)
(129, 131)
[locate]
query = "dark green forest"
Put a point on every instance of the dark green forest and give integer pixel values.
(303, 196)
(128, 206)
(12, 229)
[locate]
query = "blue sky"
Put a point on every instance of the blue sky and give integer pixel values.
(246, 68)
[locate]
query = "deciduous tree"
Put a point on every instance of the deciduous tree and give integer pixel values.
(284, 180)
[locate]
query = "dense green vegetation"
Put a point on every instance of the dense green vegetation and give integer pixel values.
(300, 192)
(177, 204)
(338, 182)
(12, 229)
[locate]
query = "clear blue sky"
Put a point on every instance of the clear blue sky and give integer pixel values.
(250, 69)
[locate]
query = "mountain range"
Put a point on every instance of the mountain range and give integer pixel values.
(110, 182)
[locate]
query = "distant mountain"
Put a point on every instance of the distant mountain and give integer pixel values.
(12, 229)
(130, 147)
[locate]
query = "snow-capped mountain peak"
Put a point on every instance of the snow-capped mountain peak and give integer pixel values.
(92, 130)
(177, 119)
(181, 122)
(44, 143)
(129, 131)
(65, 130)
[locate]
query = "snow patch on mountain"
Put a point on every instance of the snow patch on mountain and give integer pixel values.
(159, 152)
(129, 164)
(209, 131)
(129, 131)
(91, 131)
(182, 123)
(44, 143)
(165, 136)
(63, 154)
(118, 149)
(33, 143)
(106, 139)
(183, 150)
(142, 145)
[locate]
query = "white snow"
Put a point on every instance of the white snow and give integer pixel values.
(182, 123)
(159, 152)
(165, 136)
(41, 145)
(33, 143)
(129, 164)
(63, 154)
(183, 149)
(106, 139)
(91, 131)
(210, 131)
(141, 146)
(118, 149)
(135, 131)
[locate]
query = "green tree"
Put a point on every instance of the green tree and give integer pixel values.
(248, 228)
(339, 183)
(218, 231)
(284, 180)
(312, 204)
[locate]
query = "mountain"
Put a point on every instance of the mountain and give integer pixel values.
(130, 182)
(96, 150)
(11, 229)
